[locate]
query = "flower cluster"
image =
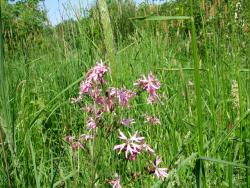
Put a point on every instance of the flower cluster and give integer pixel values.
(152, 120)
(135, 145)
(107, 101)
(94, 78)
(103, 101)
(77, 144)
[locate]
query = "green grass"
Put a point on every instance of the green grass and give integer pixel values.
(201, 127)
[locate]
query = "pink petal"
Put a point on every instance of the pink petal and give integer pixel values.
(122, 135)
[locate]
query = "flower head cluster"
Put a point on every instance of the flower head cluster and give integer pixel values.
(74, 143)
(127, 122)
(77, 144)
(91, 124)
(132, 146)
(123, 96)
(94, 78)
(90, 86)
(149, 84)
(106, 101)
(96, 74)
(152, 120)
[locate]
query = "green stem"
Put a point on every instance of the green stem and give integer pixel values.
(108, 37)
(197, 80)
(197, 85)
(210, 83)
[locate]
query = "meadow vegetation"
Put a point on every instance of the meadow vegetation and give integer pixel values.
(64, 114)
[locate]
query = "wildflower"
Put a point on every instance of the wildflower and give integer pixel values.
(147, 148)
(150, 84)
(76, 145)
(127, 122)
(89, 109)
(123, 96)
(69, 139)
(152, 120)
(95, 93)
(86, 137)
(76, 100)
(131, 145)
(91, 123)
(115, 183)
(94, 77)
(109, 102)
(112, 92)
(133, 156)
(160, 173)
(152, 99)
(97, 73)
(100, 100)
(85, 87)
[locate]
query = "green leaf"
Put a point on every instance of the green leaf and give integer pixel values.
(161, 18)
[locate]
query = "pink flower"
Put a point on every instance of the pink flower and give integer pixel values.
(133, 157)
(108, 102)
(95, 93)
(97, 73)
(160, 173)
(76, 100)
(91, 123)
(76, 146)
(69, 139)
(94, 77)
(150, 84)
(152, 120)
(89, 109)
(131, 145)
(115, 183)
(127, 122)
(86, 137)
(147, 148)
(123, 96)
(152, 99)
(85, 87)
(112, 92)
(100, 100)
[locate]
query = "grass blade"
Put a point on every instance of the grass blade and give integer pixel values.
(161, 18)
(224, 162)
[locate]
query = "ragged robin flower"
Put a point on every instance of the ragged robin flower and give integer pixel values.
(151, 120)
(131, 145)
(123, 96)
(150, 84)
(96, 74)
(115, 183)
(91, 124)
(160, 173)
(127, 122)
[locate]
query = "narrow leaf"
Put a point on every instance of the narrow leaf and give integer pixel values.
(224, 162)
